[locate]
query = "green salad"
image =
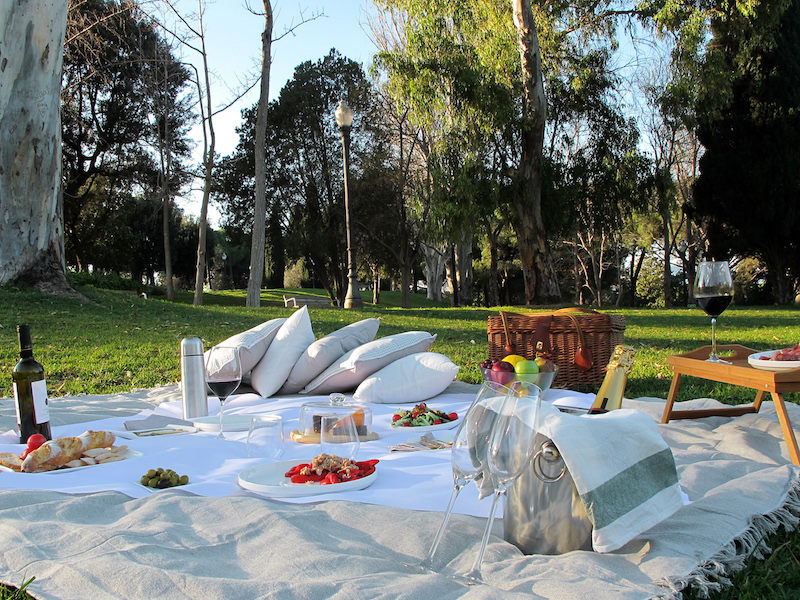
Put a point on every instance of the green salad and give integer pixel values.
(421, 416)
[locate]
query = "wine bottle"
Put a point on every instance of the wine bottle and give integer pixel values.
(613, 387)
(30, 390)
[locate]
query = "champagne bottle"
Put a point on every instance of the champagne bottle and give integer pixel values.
(613, 387)
(30, 390)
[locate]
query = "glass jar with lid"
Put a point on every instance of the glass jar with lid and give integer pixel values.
(311, 414)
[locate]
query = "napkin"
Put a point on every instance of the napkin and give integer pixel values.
(623, 471)
(426, 442)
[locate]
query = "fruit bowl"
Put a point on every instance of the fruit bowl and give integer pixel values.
(543, 379)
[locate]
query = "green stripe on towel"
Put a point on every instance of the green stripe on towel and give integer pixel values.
(630, 488)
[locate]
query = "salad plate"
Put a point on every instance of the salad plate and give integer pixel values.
(270, 479)
(763, 361)
(426, 428)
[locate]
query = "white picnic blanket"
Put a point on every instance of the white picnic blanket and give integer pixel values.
(176, 545)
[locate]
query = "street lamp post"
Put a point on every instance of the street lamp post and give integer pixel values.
(344, 119)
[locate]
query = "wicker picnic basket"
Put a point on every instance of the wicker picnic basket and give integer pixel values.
(580, 342)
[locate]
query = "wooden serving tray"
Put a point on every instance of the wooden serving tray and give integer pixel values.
(313, 438)
(738, 372)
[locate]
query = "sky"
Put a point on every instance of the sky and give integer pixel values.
(233, 44)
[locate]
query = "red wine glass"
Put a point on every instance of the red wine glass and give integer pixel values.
(713, 292)
(223, 376)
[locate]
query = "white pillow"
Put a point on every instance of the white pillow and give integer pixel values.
(252, 343)
(325, 351)
(410, 379)
(294, 336)
(358, 364)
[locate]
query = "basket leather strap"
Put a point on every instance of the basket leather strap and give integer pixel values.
(583, 355)
(541, 337)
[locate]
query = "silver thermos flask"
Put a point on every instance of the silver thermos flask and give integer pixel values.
(193, 379)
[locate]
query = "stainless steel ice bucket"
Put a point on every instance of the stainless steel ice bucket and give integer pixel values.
(543, 513)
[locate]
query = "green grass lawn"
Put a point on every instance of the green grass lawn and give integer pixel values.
(116, 342)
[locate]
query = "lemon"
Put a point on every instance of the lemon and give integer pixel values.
(513, 359)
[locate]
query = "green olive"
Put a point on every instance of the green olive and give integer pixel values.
(151, 473)
(184, 479)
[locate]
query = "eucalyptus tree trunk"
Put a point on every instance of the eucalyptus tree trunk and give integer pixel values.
(31, 208)
(209, 142)
(257, 245)
(541, 284)
(165, 155)
(434, 271)
(464, 272)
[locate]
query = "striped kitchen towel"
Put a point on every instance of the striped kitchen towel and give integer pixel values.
(622, 468)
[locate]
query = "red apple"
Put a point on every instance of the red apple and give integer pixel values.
(503, 372)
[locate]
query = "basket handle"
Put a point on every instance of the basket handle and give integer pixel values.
(583, 355)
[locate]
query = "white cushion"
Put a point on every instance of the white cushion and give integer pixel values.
(252, 343)
(294, 336)
(325, 351)
(358, 364)
(410, 379)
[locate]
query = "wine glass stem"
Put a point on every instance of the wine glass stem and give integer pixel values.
(713, 338)
(220, 436)
(475, 572)
(457, 487)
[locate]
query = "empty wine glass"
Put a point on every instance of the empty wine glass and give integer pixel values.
(223, 376)
(511, 448)
(338, 436)
(713, 291)
(468, 454)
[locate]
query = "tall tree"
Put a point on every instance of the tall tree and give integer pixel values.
(31, 232)
(257, 246)
(540, 282)
(750, 172)
(303, 169)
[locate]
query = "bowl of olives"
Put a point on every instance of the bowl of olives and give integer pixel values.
(161, 479)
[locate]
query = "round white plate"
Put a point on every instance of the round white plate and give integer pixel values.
(128, 454)
(271, 479)
(758, 361)
(230, 423)
(423, 429)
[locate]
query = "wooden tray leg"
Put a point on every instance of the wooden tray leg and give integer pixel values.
(673, 392)
(786, 425)
(758, 400)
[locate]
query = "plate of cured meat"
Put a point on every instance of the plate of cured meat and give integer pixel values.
(785, 359)
(296, 479)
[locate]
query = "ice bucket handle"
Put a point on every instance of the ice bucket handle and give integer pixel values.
(549, 453)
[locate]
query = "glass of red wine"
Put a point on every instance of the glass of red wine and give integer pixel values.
(713, 292)
(223, 376)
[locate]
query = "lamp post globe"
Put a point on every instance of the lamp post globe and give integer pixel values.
(344, 119)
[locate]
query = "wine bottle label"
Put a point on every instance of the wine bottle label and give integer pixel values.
(41, 409)
(16, 404)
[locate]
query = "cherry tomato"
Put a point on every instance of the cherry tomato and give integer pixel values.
(453, 416)
(24, 453)
(36, 440)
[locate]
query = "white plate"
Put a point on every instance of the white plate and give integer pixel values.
(231, 423)
(271, 479)
(129, 454)
(423, 429)
(759, 361)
